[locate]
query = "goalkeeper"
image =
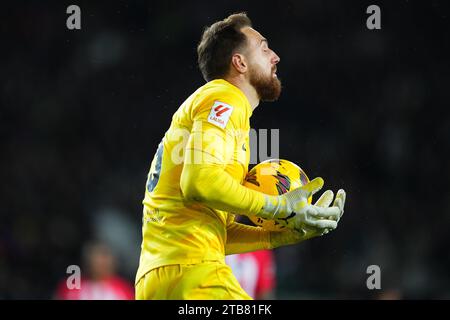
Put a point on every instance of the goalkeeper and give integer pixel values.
(194, 185)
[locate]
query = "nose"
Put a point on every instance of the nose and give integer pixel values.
(275, 58)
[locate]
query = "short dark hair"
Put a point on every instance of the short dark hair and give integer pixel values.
(218, 44)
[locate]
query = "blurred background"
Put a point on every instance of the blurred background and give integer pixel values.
(82, 112)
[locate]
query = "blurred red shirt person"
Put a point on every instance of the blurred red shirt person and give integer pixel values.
(255, 272)
(101, 282)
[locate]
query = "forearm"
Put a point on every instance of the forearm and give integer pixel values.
(242, 238)
(212, 185)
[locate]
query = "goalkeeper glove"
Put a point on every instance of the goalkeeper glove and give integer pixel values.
(290, 236)
(293, 209)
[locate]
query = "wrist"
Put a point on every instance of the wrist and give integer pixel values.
(275, 207)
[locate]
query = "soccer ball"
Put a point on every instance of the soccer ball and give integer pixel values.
(275, 177)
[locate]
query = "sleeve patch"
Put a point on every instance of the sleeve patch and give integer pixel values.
(220, 114)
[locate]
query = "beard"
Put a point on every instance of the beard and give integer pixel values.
(267, 87)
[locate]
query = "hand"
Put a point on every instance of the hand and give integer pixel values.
(291, 236)
(293, 210)
(325, 201)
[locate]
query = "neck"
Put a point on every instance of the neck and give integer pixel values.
(248, 90)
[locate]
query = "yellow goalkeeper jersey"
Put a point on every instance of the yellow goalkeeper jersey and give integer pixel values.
(214, 121)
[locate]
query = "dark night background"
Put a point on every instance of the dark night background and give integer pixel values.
(82, 112)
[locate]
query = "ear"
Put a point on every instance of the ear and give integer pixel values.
(239, 63)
